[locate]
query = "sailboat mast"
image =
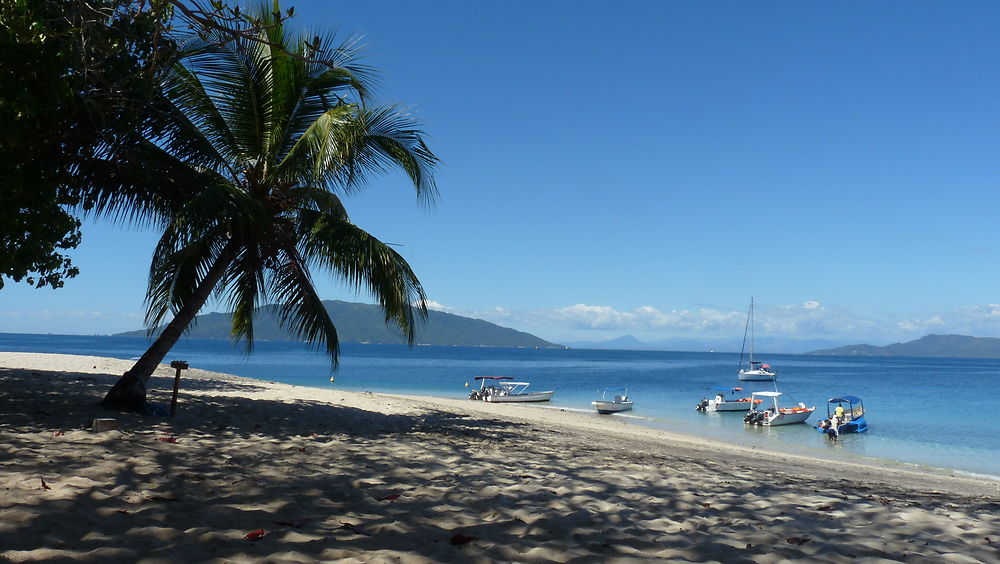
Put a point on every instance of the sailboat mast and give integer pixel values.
(743, 347)
(751, 333)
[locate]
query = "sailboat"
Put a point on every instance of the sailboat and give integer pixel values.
(757, 370)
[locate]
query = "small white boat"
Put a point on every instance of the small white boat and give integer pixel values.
(618, 402)
(774, 414)
(500, 389)
(731, 403)
(756, 371)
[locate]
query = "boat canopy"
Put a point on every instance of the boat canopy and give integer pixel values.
(767, 394)
(493, 378)
(848, 399)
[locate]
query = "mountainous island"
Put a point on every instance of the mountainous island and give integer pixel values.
(939, 346)
(365, 323)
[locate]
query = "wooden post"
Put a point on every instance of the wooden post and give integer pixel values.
(179, 365)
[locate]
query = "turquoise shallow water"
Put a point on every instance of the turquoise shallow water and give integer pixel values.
(936, 412)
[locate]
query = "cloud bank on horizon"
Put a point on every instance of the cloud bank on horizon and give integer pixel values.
(808, 320)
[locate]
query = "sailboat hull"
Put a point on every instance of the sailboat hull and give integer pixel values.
(756, 376)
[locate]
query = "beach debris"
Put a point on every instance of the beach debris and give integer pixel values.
(460, 539)
(390, 497)
(102, 424)
(168, 439)
(797, 540)
(296, 523)
(354, 529)
(58, 434)
(44, 485)
(255, 535)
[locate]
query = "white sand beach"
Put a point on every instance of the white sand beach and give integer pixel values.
(325, 475)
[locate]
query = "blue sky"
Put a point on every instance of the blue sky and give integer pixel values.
(644, 168)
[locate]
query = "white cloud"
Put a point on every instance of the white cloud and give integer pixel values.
(607, 318)
(981, 320)
(810, 319)
(438, 306)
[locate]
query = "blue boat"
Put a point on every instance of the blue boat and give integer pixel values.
(849, 413)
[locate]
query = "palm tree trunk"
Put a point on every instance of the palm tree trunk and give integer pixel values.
(129, 392)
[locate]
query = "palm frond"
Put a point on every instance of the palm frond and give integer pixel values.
(318, 199)
(139, 183)
(316, 151)
(245, 282)
(366, 264)
(300, 308)
(215, 218)
(381, 139)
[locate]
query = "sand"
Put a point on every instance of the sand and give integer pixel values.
(330, 475)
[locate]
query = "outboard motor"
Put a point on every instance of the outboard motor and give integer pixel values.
(702, 405)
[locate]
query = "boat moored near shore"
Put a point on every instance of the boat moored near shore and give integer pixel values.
(618, 401)
(727, 399)
(841, 420)
(774, 414)
(502, 389)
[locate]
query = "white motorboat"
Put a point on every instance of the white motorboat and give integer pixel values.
(774, 414)
(501, 389)
(618, 402)
(756, 371)
(728, 399)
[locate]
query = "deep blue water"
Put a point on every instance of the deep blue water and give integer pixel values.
(937, 412)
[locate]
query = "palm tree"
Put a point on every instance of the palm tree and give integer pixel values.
(257, 142)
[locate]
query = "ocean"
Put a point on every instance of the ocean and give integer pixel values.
(921, 411)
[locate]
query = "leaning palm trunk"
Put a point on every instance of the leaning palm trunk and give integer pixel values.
(129, 392)
(257, 146)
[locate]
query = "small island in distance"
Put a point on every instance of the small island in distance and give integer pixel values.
(937, 346)
(365, 323)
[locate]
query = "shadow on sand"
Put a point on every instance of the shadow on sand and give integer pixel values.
(327, 482)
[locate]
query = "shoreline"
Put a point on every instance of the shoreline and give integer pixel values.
(331, 474)
(718, 442)
(652, 438)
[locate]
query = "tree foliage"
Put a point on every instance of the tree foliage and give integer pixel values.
(73, 76)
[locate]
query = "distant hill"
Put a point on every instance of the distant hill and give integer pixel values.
(945, 346)
(365, 323)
